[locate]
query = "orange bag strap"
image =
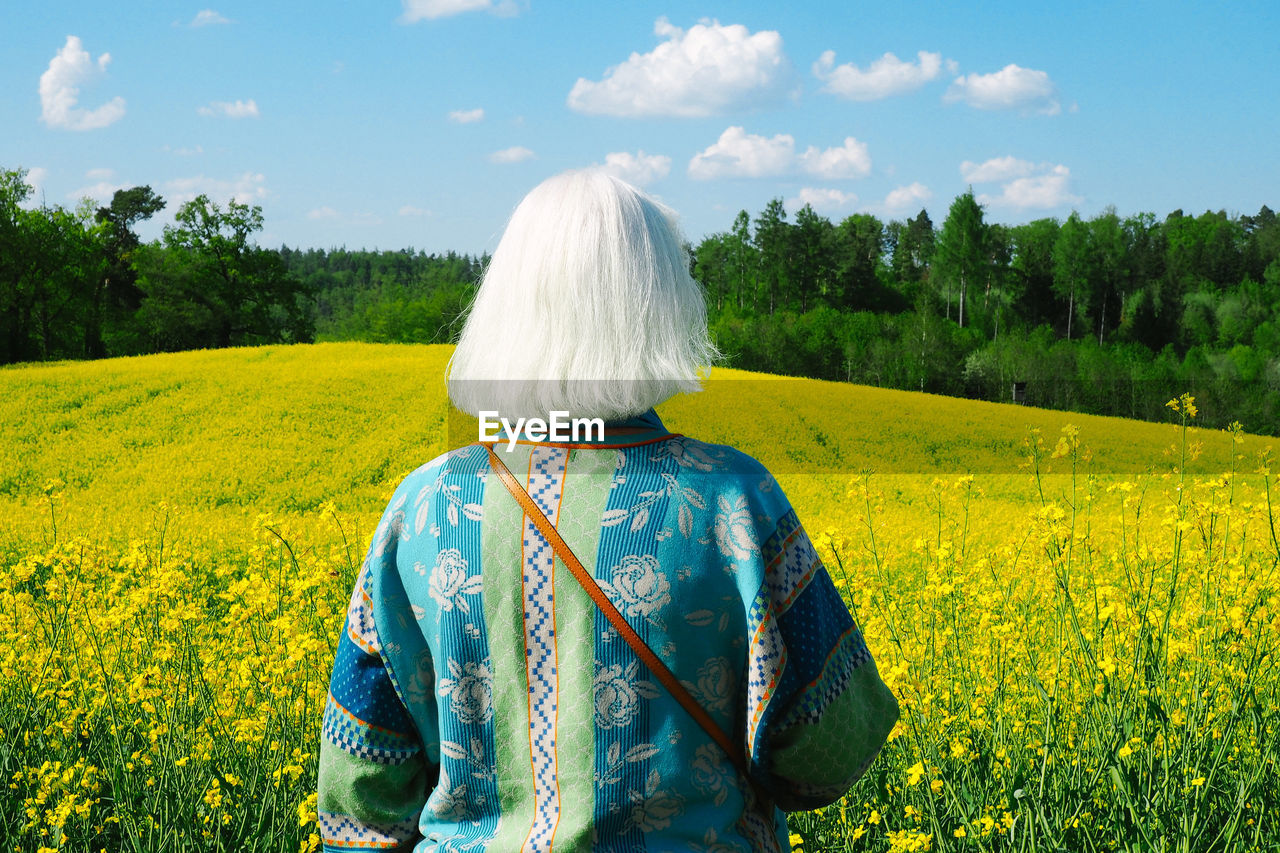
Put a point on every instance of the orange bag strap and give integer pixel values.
(638, 645)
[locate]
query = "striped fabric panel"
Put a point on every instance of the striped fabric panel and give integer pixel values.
(339, 832)
(545, 485)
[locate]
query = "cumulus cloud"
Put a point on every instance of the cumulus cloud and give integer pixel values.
(1027, 186)
(245, 188)
(206, 18)
(739, 154)
(886, 76)
(231, 109)
(60, 90)
(104, 186)
(514, 154)
(35, 179)
(1011, 88)
(708, 69)
(821, 199)
(466, 116)
(639, 168)
(995, 169)
(850, 160)
(418, 10)
(905, 198)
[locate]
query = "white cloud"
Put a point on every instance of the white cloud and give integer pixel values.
(822, 199)
(639, 168)
(417, 10)
(514, 154)
(886, 76)
(187, 152)
(1049, 188)
(60, 90)
(410, 210)
(466, 116)
(245, 188)
(1010, 88)
(325, 213)
(36, 178)
(995, 169)
(850, 160)
(207, 17)
(103, 188)
(905, 198)
(231, 109)
(708, 69)
(741, 154)
(748, 155)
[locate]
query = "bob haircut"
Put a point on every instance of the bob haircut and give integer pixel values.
(587, 307)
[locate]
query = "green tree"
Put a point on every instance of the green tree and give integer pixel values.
(773, 241)
(118, 299)
(1073, 266)
(208, 285)
(1032, 266)
(811, 256)
(1110, 252)
(860, 241)
(960, 257)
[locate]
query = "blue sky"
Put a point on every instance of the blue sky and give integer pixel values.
(421, 123)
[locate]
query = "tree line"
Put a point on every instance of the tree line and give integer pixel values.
(80, 283)
(1110, 315)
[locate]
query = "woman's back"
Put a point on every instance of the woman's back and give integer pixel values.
(481, 700)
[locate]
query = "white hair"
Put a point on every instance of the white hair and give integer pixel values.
(587, 306)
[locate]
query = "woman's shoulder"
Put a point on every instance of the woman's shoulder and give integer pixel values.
(704, 458)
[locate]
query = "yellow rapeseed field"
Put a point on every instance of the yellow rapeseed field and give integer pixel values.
(1079, 614)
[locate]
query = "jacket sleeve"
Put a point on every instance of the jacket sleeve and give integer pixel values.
(374, 772)
(821, 711)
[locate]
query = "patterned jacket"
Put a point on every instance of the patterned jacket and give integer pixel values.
(480, 701)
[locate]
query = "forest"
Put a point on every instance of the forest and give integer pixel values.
(1109, 315)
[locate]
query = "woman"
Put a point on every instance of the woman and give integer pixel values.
(480, 699)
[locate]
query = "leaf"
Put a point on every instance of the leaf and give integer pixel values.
(651, 782)
(613, 516)
(685, 516)
(475, 512)
(423, 516)
(453, 514)
(699, 618)
(640, 752)
(640, 520)
(694, 498)
(647, 689)
(477, 747)
(474, 585)
(453, 750)
(721, 796)
(614, 753)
